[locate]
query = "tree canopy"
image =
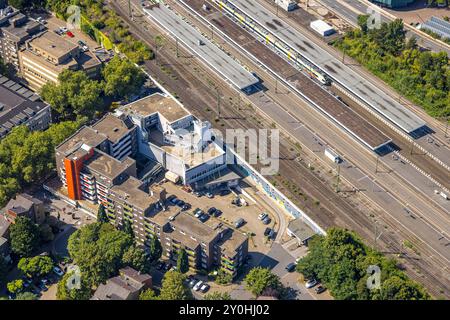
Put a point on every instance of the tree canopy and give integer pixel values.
(421, 76)
(155, 248)
(122, 78)
(37, 266)
(75, 96)
(81, 290)
(173, 287)
(340, 261)
(260, 279)
(27, 156)
(98, 249)
(25, 237)
(101, 214)
(148, 294)
(182, 261)
(136, 258)
(216, 295)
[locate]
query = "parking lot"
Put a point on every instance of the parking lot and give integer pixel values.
(231, 213)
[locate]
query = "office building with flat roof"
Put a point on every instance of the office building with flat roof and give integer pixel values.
(46, 55)
(20, 106)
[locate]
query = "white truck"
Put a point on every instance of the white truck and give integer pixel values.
(332, 155)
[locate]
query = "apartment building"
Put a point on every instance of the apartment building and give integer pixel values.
(126, 286)
(15, 29)
(99, 164)
(20, 106)
(46, 55)
(172, 136)
(85, 163)
(24, 205)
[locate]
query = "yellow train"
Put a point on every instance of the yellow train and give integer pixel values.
(291, 54)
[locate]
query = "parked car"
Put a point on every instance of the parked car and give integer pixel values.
(290, 267)
(270, 233)
(225, 192)
(167, 266)
(210, 195)
(192, 283)
(217, 213)
(212, 210)
(172, 199)
(311, 283)
(42, 287)
(58, 271)
(198, 285)
(320, 289)
(198, 194)
(239, 223)
(186, 206)
(266, 220)
(198, 212)
(262, 216)
(267, 231)
(180, 203)
(204, 218)
(204, 288)
(70, 34)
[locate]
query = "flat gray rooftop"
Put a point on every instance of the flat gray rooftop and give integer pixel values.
(207, 51)
(376, 98)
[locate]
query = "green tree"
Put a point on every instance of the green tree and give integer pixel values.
(3, 269)
(223, 277)
(260, 279)
(101, 214)
(136, 258)
(15, 286)
(217, 296)
(97, 249)
(362, 22)
(70, 288)
(127, 227)
(148, 294)
(26, 296)
(36, 266)
(122, 78)
(182, 261)
(340, 260)
(25, 237)
(155, 248)
(173, 287)
(74, 96)
(46, 233)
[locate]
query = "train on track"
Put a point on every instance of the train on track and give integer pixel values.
(292, 55)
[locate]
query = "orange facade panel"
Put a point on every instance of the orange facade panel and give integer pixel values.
(73, 168)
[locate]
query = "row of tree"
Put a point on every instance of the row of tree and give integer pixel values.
(341, 261)
(100, 250)
(106, 20)
(76, 96)
(421, 76)
(27, 156)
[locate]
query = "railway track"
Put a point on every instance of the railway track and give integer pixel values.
(336, 209)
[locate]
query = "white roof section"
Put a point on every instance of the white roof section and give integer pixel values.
(214, 57)
(376, 98)
(321, 26)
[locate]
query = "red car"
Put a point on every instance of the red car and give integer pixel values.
(70, 34)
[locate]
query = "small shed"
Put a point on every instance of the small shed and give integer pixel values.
(299, 229)
(322, 28)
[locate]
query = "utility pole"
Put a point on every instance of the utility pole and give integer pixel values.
(129, 9)
(376, 166)
(446, 126)
(218, 103)
(412, 147)
(276, 85)
(338, 178)
(212, 32)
